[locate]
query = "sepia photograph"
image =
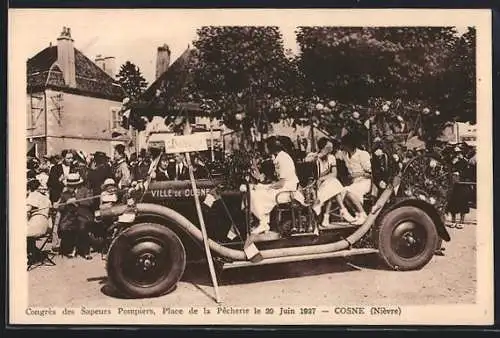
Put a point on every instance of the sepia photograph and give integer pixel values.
(246, 166)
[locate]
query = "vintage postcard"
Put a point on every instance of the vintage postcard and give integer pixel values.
(250, 167)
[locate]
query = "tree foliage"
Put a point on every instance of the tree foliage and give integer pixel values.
(131, 80)
(354, 65)
(241, 68)
(422, 75)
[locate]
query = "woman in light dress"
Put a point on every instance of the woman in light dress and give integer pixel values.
(328, 184)
(263, 196)
(38, 207)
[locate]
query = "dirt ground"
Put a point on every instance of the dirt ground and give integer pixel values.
(447, 279)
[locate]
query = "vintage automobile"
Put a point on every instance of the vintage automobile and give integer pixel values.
(153, 237)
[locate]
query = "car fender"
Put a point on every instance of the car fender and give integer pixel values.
(194, 248)
(429, 209)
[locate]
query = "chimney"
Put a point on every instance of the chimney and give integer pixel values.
(162, 60)
(106, 63)
(66, 57)
(99, 61)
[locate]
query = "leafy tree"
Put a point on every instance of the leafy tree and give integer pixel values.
(241, 69)
(412, 67)
(354, 64)
(131, 80)
(459, 82)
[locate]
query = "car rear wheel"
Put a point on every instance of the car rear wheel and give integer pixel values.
(407, 238)
(146, 260)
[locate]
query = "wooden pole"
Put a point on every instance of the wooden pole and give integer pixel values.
(212, 154)
(311, 124)
(203, 229)
(202, 222)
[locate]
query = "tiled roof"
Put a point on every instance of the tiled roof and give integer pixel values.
(90, 79)
(170, 84)
(172, 79)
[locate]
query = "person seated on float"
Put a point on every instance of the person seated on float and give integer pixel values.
(263, 196)
(162, 172)
(358, 163)
(177, 168)
(200, 170)
(328, 184)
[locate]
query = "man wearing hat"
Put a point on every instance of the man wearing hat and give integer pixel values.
(76, 214)
(58, 173)
(458, 202)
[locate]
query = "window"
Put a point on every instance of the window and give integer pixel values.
(116, 118)
(30, 118)
(34, 109)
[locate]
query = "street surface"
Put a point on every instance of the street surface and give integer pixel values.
(447, 279)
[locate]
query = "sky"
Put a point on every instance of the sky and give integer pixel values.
(109, 35)
(133, 35)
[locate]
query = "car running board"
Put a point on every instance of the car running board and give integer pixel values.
(274, 236)
(287, 259)
(338, 225)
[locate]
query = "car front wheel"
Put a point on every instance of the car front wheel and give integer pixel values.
(407, 238)
(146, 260)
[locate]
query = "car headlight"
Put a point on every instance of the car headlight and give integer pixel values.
(97, 215)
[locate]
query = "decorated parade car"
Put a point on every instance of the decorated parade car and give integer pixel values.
(162, 225)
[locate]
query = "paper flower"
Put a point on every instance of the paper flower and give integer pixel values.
(379, 152)
(319, 106)
(332, 104)
(426, 111)
(355, 115)
(382, 185)
(385, 108)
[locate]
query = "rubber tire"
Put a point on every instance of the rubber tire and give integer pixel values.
(387, 225)
(116, 253)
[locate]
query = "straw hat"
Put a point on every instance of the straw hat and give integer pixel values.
(73, 179)
(107, 183)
